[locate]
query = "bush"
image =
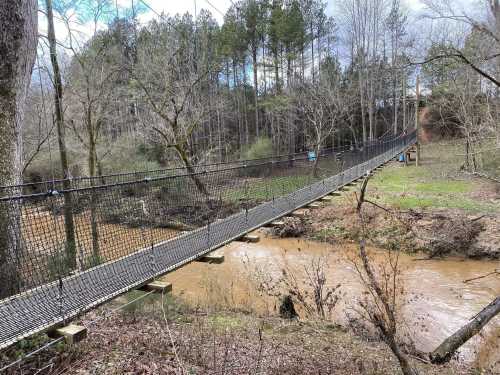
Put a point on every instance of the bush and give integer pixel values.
(262, 148)
(47, 166)
(128, 156)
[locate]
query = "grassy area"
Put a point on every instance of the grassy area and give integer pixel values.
(438, 183)
(264, 189)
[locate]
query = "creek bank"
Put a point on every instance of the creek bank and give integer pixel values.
(198, 342)
(437, 232)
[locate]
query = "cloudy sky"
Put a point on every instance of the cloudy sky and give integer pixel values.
(216, 7)
(150, 8)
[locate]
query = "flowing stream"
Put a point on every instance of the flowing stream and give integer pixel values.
(436, 300)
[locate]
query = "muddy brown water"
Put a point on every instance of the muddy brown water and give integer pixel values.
(437, 301)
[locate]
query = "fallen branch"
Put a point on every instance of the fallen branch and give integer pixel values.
(448, 347)
(495, 272)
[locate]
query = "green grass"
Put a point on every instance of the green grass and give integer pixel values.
(438, 183)
(265, 189)
(223, 321)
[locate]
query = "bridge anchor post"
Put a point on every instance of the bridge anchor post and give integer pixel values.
(249, 238)
(215, 257)
(157, 287)
(72, 333)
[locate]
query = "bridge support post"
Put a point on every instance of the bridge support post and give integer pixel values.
(157, 287)
(313, 206)
(249, 238)
(417, 157)
(72, 333)
(276, 223)
(326, 198)
(215, 257)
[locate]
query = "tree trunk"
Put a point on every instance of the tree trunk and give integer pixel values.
(256, 91)
(395, 101)
(69, 225)
(192, 173)
(245, 117)
(316, 160)
(276, 72)
(17, 56)
(92, 164)
(445, 351)
(404, 102)
(362, 105)
(371, 104)
(312, 50)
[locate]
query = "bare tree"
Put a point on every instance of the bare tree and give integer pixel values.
(485, 62)
(90, 91)
(381, 305)
(37, 131)
(173, 94)
(322, 108)
(17, 56)
(69, 225)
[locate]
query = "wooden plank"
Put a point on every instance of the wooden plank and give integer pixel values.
(276, 223)
(326, 198)
(215, 257)
(72, 333)
(313, 206)
(157, 286)
(299, 213)
(249, 238)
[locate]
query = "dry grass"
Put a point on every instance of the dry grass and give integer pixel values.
(219, 343)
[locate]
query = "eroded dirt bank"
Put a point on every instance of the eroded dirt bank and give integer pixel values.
(436, 232)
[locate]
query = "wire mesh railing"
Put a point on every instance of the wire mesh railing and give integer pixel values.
(64, 251)
(106, 179)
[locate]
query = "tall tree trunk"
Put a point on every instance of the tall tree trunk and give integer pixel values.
(17, 56)
(371, 103)
(69, 225)
(312, 49)
(244, 93)
(92, 164)
(276, 72)
(264, 65)
(395, 102)
(289, 72)
(255, 90)
(362, 105)
(236, 97)
(404, 101)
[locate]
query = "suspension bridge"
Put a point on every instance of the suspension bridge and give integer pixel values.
(67, 246)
